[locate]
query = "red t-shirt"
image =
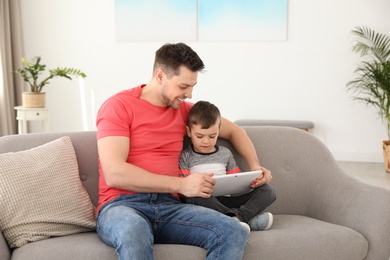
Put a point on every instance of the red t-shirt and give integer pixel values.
(156, 135)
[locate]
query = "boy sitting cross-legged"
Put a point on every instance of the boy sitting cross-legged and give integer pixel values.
(203, 155)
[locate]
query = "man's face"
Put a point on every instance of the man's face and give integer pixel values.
(177, 88)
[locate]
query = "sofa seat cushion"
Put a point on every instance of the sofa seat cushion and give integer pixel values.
(301, 237)
(291, 237)
(41, 194)
(88, 246)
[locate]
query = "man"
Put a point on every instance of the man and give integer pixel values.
(140, 137)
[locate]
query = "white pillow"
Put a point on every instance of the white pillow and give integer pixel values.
(41, 194)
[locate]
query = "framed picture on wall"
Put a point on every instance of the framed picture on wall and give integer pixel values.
(156, 20)
(242, 20)
(201, 20)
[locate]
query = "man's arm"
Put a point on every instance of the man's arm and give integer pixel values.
(244, 146)
(113, 152)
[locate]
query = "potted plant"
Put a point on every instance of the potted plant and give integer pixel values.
(30, 74)
(372, 83)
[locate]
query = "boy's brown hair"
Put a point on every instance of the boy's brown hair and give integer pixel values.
(203, 113)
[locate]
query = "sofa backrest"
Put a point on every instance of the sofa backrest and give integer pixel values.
(304, 170)
(296, 158)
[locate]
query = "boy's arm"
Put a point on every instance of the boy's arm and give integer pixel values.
(231, 165)
(184, 169)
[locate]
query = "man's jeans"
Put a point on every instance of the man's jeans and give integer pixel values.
(133, 223)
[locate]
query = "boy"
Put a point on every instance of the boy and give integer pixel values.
(203, 155)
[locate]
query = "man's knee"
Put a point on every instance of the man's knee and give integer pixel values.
(124, 224)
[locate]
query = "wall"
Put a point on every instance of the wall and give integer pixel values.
(302, 78)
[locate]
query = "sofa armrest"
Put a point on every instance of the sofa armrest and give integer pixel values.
(308, 181)
(5, 251)
(357, 205)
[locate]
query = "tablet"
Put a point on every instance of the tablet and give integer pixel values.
(234, 183)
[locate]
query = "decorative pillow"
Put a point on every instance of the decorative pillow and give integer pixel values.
(41, 194)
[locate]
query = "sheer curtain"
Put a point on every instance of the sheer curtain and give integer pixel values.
(11, 86)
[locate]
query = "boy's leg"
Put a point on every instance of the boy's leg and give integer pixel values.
(250, 204)
(211, 203)
(179, 223)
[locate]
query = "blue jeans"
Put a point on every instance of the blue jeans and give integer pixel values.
(133, 223)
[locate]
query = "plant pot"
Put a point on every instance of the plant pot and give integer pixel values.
(33, 99)
(386, 154)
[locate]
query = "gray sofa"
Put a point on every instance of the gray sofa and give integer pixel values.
(320, 212)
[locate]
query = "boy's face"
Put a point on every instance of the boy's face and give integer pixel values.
(204, 140)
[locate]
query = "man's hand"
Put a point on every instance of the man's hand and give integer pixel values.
(197, 185)
(264, 178)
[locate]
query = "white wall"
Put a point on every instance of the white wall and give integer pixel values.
(303, 78)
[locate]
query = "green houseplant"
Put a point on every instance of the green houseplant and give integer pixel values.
(31, 73)
(372, 82)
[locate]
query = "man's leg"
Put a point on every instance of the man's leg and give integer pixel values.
(179, 223)
(127, 230)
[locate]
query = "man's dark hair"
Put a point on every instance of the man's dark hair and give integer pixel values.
(203, 113)
(171, 56)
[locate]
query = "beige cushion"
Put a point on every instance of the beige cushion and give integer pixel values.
(41, 194)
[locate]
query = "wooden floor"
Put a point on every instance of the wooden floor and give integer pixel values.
(371, 173)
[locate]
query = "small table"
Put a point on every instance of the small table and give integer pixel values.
(24, 114)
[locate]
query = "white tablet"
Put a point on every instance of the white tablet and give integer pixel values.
(234, 183)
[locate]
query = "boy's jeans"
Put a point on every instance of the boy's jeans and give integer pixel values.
(244, 206)
(133, 223)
